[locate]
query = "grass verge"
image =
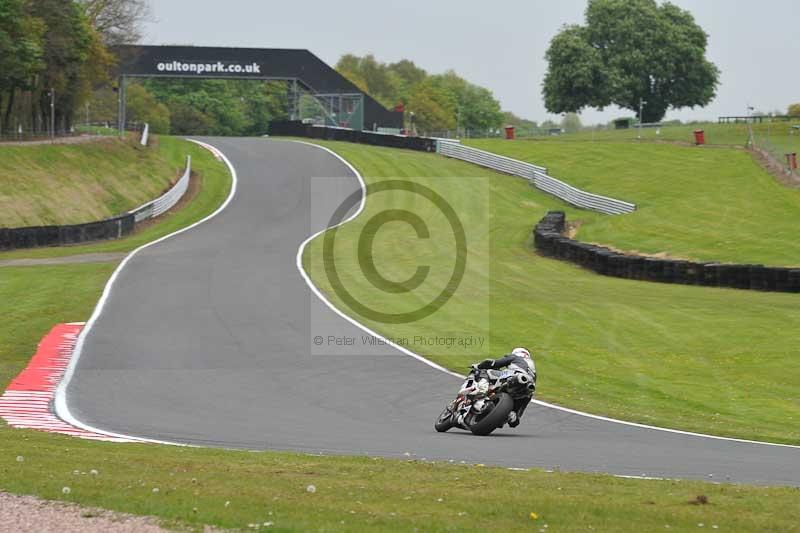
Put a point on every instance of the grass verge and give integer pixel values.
(719, 361)
(239, 489)
(702, 204)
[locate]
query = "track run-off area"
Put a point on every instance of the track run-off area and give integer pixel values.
(205, 338)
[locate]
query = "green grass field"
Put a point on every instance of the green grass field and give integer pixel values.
(779, 133)
(719, 361)
(235, 489)
(76, 183)
(709, 204)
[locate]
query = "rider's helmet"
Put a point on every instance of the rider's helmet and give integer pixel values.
(521, 352)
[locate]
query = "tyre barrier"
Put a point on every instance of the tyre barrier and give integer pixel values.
(38, 236)
(111, 228)
(549, 241)
(296, 128)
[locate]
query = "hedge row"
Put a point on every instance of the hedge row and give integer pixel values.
(295, 128)
(550, 242)
(35, 236)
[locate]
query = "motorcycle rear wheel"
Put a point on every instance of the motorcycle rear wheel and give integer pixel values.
(496, 417)
(445, 421)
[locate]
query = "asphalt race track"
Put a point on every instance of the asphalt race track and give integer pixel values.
(206, 339)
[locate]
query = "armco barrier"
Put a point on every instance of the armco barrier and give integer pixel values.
(550, 241)
(296, 128)
(112, 228)
(167, 200)
(537, 176)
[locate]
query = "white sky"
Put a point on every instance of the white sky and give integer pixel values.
(499, 45)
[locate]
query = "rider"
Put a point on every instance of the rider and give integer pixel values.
(519, 360)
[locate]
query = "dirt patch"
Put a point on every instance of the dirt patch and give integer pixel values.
(195, 186)
(109, 257)
(26, 513)
(572, 227)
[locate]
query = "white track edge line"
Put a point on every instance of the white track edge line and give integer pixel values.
(60, 406)
(408, 352)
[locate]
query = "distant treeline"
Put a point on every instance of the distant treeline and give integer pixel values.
(54, 52)
(439, 101)
(244, 107)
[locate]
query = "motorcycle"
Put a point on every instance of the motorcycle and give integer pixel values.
(486, 407)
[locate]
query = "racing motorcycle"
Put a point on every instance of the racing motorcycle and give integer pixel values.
(486, 408)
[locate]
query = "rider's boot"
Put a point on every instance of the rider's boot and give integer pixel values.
(513, 419)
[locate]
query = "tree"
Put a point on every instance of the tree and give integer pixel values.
(794, 110)
(511, 119)
(21, 53)
(143, 107)
(433, 107)
(479, 110)
(630, 51)
(68, 44)
(118, 21)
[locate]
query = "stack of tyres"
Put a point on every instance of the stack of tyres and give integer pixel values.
(635, 267)
(758, 277)
(711, 274)
(742, 276)
(550, 241)
(668, 271)
(726, 275)
(781, 279)
(653, 269)
(794, 280)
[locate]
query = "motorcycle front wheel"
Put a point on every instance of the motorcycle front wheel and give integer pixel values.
(445, 421)
(495, 416)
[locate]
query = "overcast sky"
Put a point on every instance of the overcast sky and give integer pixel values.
(499, 45)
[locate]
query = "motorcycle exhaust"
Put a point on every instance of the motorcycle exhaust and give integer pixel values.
(525, 380)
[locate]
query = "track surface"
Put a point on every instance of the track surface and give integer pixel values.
(207, 339)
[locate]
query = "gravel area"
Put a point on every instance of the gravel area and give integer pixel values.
(29, 514)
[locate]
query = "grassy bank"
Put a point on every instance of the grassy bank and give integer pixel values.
(717, 361)
(75, 183)
(695, 203)
(214, 187)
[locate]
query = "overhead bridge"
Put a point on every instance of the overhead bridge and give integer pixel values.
(338, 101)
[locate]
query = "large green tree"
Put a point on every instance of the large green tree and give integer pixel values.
(220, 107)
(21, 53)
(628, 52)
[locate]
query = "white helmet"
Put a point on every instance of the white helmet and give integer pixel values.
(521, 352)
